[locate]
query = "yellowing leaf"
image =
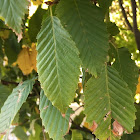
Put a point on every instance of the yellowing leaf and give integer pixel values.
(27, 59)
(24, 61)
(37, 2)
(139, 79)
(138, 86)
(33, 54)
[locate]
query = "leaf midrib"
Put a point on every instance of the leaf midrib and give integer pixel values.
(54, 39)
(82, 26)
(107, 88)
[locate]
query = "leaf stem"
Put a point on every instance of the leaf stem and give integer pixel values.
(51, 11)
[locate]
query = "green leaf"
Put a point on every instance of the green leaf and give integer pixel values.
(45, 135)
(20, 133)
(4, 93)
(13, 12)
(35, 23)
(76, 135)
(12, 48)
(16, 119)
(55, 124)
(36, 132)
(108, 98)
(126, 67)
(57, 63)
(105, 4)
(133, 136)
(137, 122)
(79, 119)
(1, 49)
(87, 29)
(14, 103)
(112, 28)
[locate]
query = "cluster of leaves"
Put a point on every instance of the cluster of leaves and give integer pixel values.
(35, 96)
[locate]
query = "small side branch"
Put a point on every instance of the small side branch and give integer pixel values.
(82, 128)
(125, 16)
(135, 26)
(8, 82)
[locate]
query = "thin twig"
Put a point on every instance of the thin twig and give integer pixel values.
(81, 128)
(5, 29)
(125, 16)
(135, 26)
(78, 108)
(9, 82)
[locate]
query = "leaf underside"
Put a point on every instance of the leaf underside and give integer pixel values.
(56, 125)
(13, 104)
(87, 29)
(57, 63)
(108, 98)
(13, 11)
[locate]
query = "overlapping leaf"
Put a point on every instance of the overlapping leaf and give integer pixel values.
(19, 132)
(4, 93)
(76, 135)
(13, 104)
(1, 51)
(108, 98)
(11, 48)
(13, 12)
(104, 4)
(85, 23)
(55, 124)
(57, 63)
(35, 23)
(126, 67)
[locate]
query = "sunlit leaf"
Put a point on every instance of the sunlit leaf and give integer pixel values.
(58, 64)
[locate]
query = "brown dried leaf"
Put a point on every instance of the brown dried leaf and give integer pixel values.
(19, 37)
(91, 128)
(117, 129)
(94, 126)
